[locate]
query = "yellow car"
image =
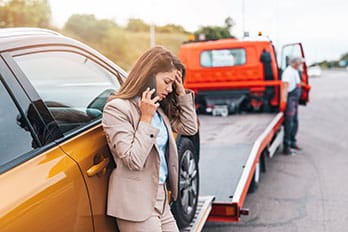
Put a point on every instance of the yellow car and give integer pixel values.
(54, 159)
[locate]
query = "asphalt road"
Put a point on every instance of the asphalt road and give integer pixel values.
(309, 191)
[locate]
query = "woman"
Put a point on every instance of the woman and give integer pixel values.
(139, 122)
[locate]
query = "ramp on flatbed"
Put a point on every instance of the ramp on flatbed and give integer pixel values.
(226, 143)
(203, 209)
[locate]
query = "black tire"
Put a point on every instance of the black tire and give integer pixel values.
(184, 208)
(263, 161)
(256, 179)
(202, 108)
(196, 143)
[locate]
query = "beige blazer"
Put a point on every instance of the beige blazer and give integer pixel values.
(134, 182)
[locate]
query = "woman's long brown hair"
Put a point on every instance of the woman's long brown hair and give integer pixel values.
(153, 61)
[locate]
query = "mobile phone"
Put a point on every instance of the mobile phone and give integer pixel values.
(152, 85)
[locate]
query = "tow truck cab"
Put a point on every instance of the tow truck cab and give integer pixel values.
(237, 74)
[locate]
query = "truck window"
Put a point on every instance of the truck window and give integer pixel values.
(223, 57)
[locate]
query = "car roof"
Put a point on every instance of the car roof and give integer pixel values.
(24, 31)
(27, 37)
(14, 38)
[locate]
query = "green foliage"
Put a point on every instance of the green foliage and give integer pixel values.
(344, 56)
(327, 64)
(122, 45)
(216, 32)
(88, 28)
(137, 25)
(342, 62)
(213, 32)
(170, 28)
(229, 23)
(25, 13)
(103, 35)
(171, 40)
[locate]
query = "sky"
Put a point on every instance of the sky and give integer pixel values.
(319, 24)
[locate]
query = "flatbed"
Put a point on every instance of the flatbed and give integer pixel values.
(231, 148)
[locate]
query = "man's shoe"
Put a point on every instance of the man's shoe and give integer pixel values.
(296, 147)
(288, 151)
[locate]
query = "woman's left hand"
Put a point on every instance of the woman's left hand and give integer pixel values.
(179, 86)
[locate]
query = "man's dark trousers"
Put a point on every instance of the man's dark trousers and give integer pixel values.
(291, 119)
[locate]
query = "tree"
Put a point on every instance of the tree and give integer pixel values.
(103, 35)
(88, 28)
(25, 13)
(344, 56)
(229, 23)
(210, 32)
(137, 25)
(216, 32)
(170, 28)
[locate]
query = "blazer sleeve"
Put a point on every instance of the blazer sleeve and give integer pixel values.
(187, 123)
(130, 143)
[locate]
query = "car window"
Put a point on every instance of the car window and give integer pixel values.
(15, 136)
(73, 87)
(223, 57)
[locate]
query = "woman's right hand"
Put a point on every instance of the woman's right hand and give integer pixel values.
(147, 105)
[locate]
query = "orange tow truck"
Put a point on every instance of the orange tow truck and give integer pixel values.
(230, 76)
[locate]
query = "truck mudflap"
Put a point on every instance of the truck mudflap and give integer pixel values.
(204, 207)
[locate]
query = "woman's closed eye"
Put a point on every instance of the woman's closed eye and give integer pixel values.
(168, 81)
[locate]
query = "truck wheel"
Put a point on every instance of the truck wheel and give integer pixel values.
(256, 179)
(263, 161)
(184, 208)
(203, 107)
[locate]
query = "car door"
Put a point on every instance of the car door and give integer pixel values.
(41, 188)
(74, 86)
(291, 50)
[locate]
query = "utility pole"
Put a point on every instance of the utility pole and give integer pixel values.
(152, 35)
(245, 33)
(243, 18)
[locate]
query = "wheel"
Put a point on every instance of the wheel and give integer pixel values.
(184, 208)
(263, 158)
(256, 179)
(202, 107)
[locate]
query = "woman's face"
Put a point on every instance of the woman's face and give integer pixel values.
(164, 83)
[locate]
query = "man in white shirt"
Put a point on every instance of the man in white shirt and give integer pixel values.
(291, 75)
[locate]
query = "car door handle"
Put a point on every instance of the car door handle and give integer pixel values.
(95, 169)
